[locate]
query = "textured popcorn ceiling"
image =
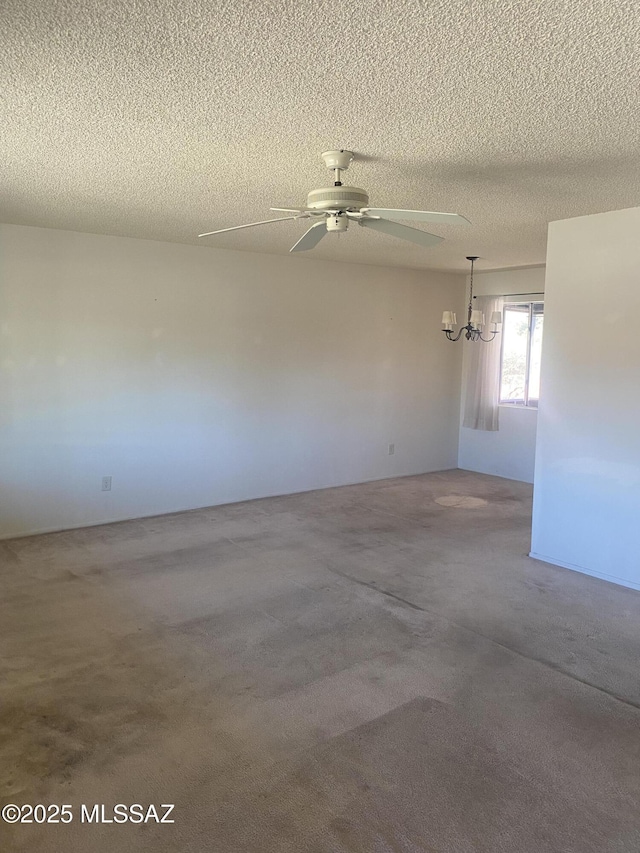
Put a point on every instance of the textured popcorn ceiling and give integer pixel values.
(164, 118)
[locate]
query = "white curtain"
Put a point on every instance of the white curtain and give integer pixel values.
(483, 372)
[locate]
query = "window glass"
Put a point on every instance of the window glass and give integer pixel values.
(521, 352)
(515, 329)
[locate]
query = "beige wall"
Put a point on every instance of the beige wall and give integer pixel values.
(587, 479)
(195, 376)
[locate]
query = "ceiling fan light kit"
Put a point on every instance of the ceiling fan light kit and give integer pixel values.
(475, 319)
(334, 207)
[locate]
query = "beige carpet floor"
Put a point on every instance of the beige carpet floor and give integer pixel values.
(372, 668)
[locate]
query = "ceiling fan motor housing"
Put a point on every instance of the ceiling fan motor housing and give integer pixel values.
(337, 222)
(337, 198)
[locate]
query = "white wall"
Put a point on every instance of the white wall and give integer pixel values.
(509, 452)
(195, 376)
(587, 483)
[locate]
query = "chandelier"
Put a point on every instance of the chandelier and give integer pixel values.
(475, 319)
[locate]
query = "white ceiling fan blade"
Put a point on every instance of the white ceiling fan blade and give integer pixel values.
(310, 238)
(250, 225)
(308, 211)
(394, 229)
(417, 215)
(289, 209)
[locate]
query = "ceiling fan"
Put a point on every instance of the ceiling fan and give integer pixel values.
(335, 206)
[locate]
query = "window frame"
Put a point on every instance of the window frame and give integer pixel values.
(534, 308)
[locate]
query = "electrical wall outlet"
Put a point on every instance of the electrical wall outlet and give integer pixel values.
(392, 449)
(106, 484)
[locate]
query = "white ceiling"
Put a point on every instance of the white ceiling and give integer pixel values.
(164, 118)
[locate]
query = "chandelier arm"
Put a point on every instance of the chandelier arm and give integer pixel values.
(449, 333)
(488, 340)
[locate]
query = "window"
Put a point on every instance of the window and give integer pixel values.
(521, 350)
